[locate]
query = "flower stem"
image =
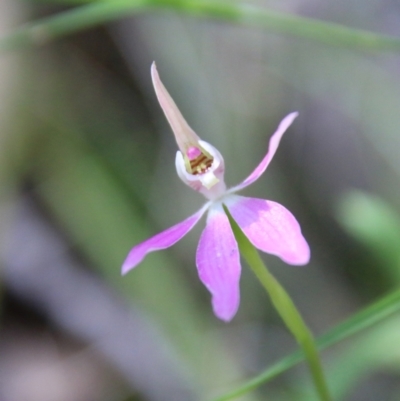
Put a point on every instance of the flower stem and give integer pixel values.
(285, 307)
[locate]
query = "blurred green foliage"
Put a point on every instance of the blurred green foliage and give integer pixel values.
(86, 139)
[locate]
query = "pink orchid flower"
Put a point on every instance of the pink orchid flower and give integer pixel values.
(268, 225)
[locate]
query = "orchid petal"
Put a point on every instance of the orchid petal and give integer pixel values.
(218, 264)
(273, 146)
(270, 227)
(163, 240)
(184, 135)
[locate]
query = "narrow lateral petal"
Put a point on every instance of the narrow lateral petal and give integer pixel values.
(163, 240)
(218, 264)
(270, 227)
(273, 146)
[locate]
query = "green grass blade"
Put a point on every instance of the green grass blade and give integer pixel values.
(369, 316)
(99, 12)
(68, 22)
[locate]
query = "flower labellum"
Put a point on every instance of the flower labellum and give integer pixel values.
(268, 225)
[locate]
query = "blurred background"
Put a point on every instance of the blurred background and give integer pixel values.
(87, 171)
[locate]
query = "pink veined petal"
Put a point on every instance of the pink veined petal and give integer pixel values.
(218, 264)
(273, 146)
(270, 227)
(163, 240)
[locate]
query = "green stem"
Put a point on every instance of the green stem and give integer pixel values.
(102, 11)
(285, 307)
(371, 315)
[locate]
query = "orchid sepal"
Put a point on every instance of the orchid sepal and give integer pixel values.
(270, 227)
(162, 240)
(218, 263)
(272, 148)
